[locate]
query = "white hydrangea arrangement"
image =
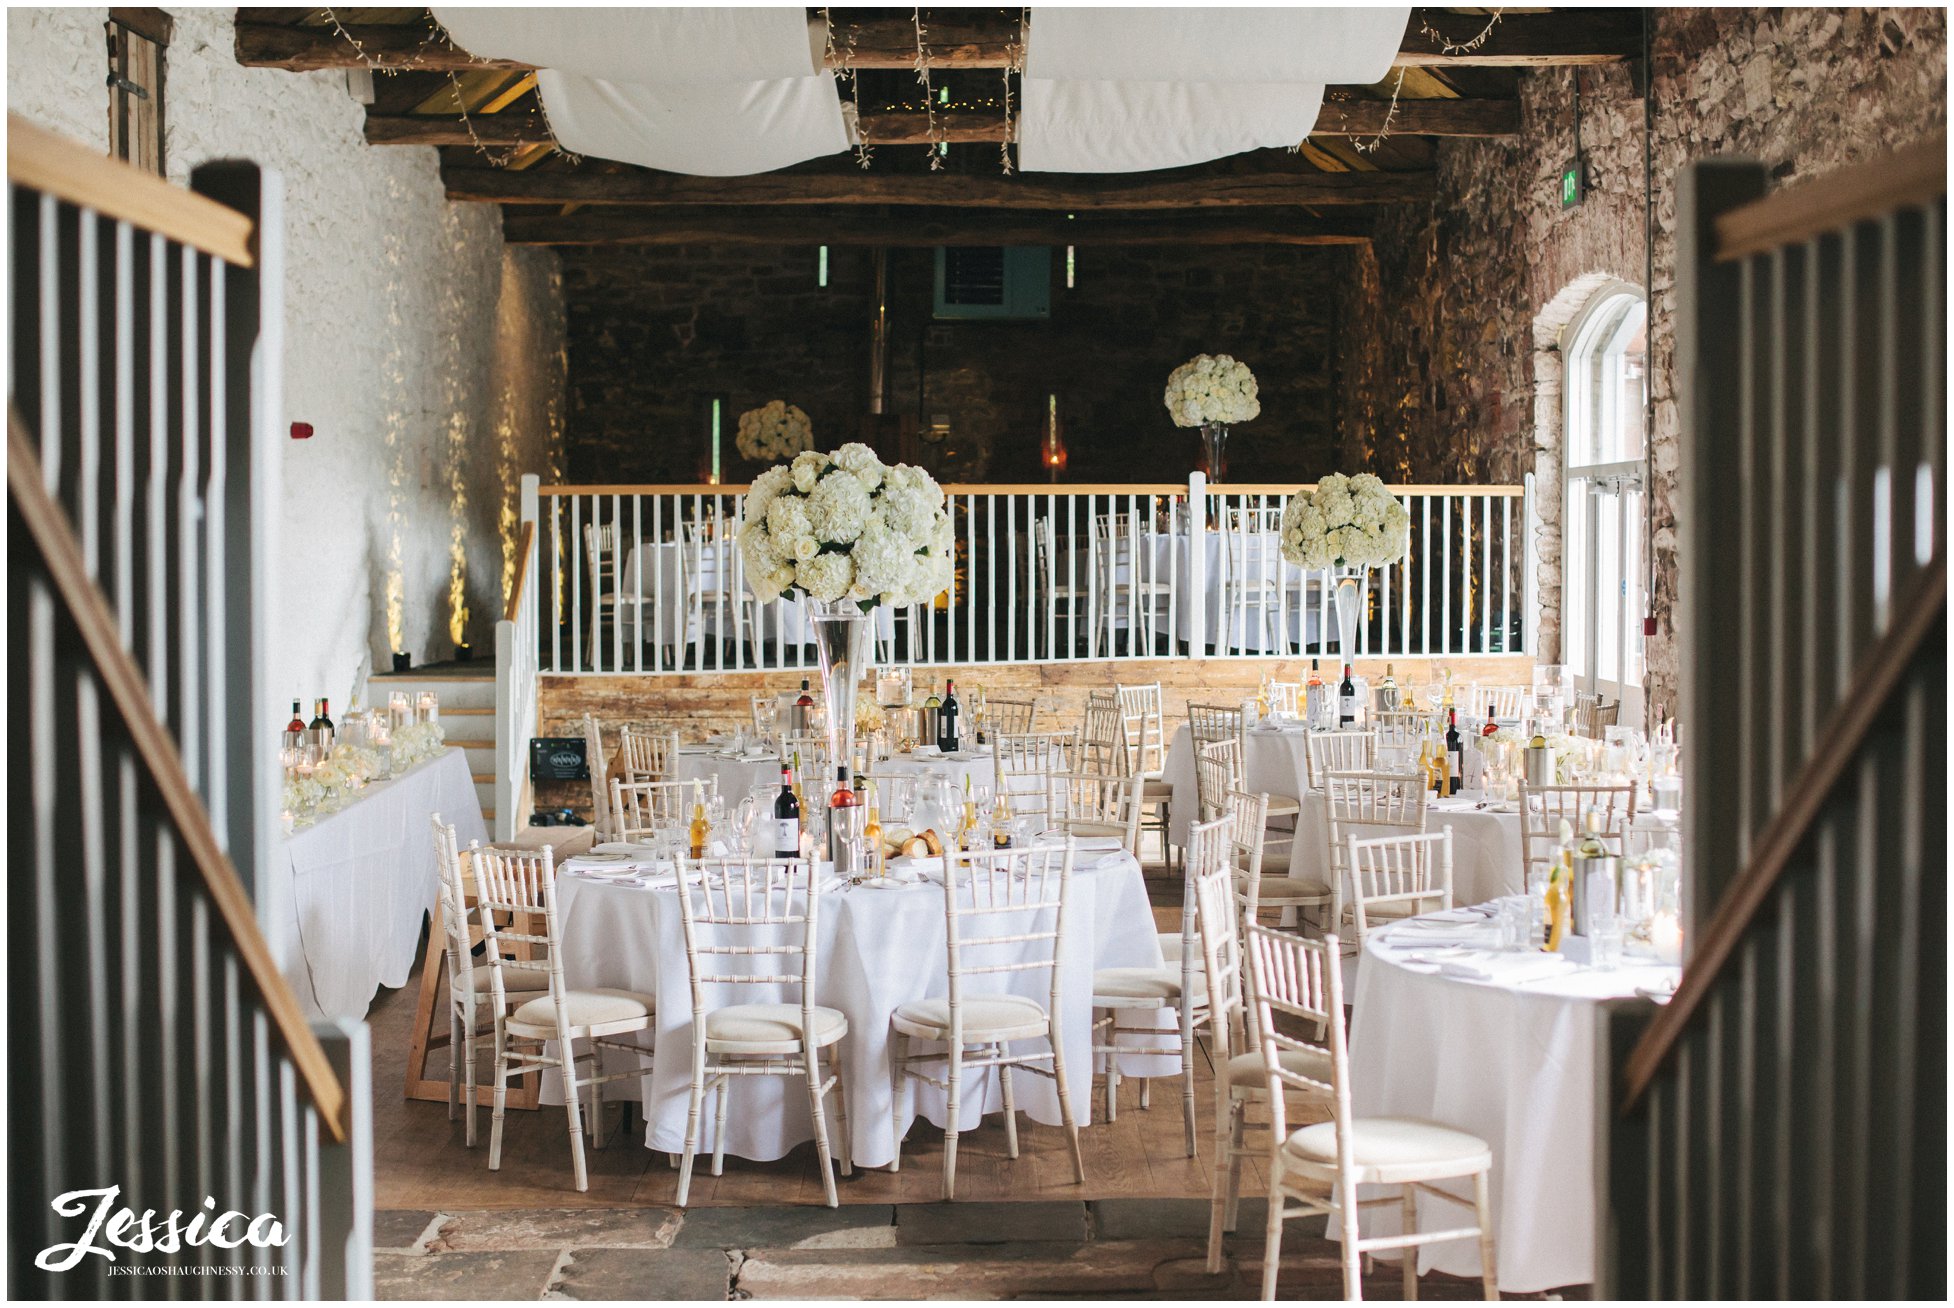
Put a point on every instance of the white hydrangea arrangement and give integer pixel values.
(775, 430)
(847, 526)
(416, 742)
(1212, 388)
(1346, 522)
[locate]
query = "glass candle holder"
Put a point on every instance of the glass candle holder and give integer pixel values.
(427, 707)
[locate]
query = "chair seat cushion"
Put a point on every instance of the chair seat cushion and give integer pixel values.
(771, 1024)
(1162, 984)
(515, 981)
(1170, 949)
(1156, 790)
(1280, 889)
(1005, 1016)
(1284, 805)
(587, 1008)
(1245, 1070)
(1393, 1148)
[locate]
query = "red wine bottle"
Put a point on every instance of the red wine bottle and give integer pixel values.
(946, 720)
(786, 817)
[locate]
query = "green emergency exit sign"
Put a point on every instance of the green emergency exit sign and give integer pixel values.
(1570, 183)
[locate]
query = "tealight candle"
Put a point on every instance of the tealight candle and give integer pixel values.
(1666, 938)
(287, 820)
(427, 708)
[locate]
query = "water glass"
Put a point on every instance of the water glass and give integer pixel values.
(1515, 921)
(1605, 947)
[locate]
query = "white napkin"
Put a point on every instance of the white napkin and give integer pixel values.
(1505, 969)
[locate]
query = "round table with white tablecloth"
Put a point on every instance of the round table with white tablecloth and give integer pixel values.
(1503, 1045)
(1485, 840)
(657, 570)
(737, 774)
(880, 947)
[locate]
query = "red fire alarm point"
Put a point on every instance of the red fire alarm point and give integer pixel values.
(1648, 626)
(301, 431)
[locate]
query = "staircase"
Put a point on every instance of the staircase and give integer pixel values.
(467, 693)
(1778, 1129)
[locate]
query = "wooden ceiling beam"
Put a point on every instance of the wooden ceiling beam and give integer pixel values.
(965, 127)
(1519, 40)
(1179, 189)
(719, 226)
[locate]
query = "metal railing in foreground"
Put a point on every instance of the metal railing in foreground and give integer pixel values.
(649, 579)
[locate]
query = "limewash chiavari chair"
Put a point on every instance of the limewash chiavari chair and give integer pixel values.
(1025, 768)
(1266, 877)
(1402, 875)
(1544, 808)
(1004, 917)
(1286, 697)
(1129, 590)
(1009, 717)
(1302, 979)
(598, 764)
(1143, 728)
(1338, 751)
(640, 809)
(1363, 805)
(1508, 703)
(1240, 1081)
(1086, 804)
(608, 598)
(1209, 724)
(1404, 729)
(469, 985)
(1179, 985)
(1067, 587)
(517, 884)
(647, 751)
(1102, 744)
(765, 916)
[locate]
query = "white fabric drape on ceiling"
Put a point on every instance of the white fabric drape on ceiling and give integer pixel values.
(1300, 44)
(711, 92)
(644, 45)
(1130, 127)
(1132, 90)
(720, 129)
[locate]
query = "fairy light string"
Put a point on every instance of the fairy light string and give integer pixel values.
(1445, 45)
(929, 94)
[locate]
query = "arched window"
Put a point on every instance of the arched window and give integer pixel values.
(1606, 389)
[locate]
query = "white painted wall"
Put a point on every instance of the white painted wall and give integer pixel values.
(428, 357)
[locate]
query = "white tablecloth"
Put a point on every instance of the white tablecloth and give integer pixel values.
(657, 571)
(880, 948)
(737, 776)
(1513, 1063)
(359, 881)
(1485, 842)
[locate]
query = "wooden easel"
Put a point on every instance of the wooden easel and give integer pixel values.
(431, 1025)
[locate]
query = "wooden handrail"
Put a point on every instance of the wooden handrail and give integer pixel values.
(1043, 488)
(53, 537)
(524, 548)
(1913, 175)
(42, 161)
(1879, 674)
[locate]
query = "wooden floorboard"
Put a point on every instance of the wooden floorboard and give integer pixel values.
(421, 1162)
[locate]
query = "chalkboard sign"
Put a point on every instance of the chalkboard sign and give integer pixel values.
(558, 758)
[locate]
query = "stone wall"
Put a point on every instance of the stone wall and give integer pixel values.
(427, 356)
(656, 333)
(1454, 316)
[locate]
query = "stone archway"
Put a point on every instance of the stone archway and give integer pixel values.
(1548, 439)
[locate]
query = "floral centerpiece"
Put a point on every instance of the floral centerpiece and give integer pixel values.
(1212, 391)
(1350, 524)
(849, 532)
(416, 742)
(775, 430)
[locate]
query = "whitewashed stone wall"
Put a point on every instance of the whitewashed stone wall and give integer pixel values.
(427, 356)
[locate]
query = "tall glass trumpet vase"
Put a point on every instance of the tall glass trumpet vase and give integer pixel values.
(1347, 585)
(1214, 442)
(841, 644)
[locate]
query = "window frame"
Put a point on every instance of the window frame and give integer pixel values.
(1603, 651)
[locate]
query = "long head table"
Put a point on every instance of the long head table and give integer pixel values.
(880, 947)
(359, 881)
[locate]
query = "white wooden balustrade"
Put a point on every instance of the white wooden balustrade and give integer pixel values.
(649, 579)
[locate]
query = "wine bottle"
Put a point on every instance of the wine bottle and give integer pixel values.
(800, 715)
(1492, 723)
(298, 719)
(1559, 890)
(1454, 753)
(1387, 690)
(1001, 824)
(786, 817)
(934, 701)
(322, 722)
(946, 720)
(872, 832)
(700, 829)
(1347, 700)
